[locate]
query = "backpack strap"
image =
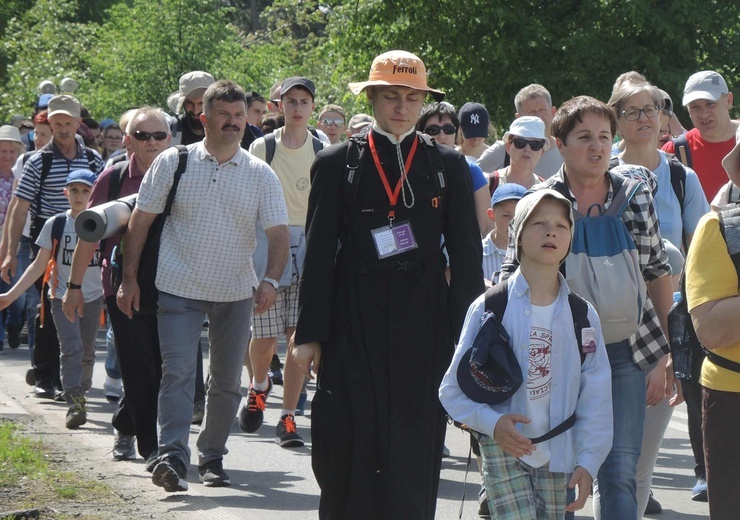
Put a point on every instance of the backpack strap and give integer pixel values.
(50, 274)
(729, 226)
(435, 159)
(497, 297)
(493, 182)
(91, 160)
(681, 149)
(318, 145)
(182, 164)
(47, 158)
(579, 311)
(117, 177)
(507, 160)
(613, 161)
(269, 148)
(624, 189)
(356, 147)
(678, 180)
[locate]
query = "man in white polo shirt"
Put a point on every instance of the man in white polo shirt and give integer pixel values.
(205, 268)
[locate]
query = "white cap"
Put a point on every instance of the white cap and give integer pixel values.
(706, 84)
(528, 127)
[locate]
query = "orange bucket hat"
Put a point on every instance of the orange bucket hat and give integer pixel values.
(399, 68)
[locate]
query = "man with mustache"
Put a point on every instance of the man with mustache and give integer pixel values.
(292, 152)
(205, 269)
(41, 192)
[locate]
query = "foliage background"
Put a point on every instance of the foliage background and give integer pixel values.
(127, 53)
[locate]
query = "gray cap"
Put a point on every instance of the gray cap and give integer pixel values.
(526, 206)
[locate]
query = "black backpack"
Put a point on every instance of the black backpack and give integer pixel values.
(683, 340)
(147, 273)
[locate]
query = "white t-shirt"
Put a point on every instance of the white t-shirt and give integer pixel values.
(92, 286)
(539, 383)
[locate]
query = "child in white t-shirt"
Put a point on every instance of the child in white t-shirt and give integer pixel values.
(524, 479)
(503, 202)
(76, 339)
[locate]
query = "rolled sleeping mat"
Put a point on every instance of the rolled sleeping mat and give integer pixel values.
(105, 220)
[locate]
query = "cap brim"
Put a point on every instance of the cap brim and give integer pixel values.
(699, 94)
(357, 88)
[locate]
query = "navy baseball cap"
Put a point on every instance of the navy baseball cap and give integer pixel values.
(82, 176)
(298, 81)
(489, 372)
(508, 191)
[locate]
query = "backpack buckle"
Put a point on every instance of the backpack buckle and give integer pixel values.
(436, 202)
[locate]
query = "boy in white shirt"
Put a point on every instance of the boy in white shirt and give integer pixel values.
(76, 339)
(525, 479)
(503, 203)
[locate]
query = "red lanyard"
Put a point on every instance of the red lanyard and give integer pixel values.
(392, 195)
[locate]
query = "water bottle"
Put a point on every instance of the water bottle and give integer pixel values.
(679, 332)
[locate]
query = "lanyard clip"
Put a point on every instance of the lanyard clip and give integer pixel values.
(391, 218)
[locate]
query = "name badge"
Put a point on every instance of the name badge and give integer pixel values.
(588, 340)
(390, 241)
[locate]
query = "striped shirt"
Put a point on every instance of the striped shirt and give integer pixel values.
(53, 200)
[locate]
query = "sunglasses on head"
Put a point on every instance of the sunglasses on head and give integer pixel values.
(436, 129)
(332, 122)
(144, 136)
(534, 144)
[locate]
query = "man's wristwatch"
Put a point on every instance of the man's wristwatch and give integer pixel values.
(272, 282)
(71, 285)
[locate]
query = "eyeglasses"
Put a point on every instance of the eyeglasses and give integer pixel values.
(633, 114)
(535, 144)
(114, 137)
(436, 129)
(144, 136)
(332, 122)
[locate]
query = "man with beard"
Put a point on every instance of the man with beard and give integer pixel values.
(187, 128)
(205, 269)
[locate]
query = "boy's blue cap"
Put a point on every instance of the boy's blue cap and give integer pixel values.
(508, 191)
(43, 101)
(106, 123)
(83, 176)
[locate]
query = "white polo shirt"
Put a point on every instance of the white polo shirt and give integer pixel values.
(208, 240)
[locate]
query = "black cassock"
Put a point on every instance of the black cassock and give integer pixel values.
(387, 328)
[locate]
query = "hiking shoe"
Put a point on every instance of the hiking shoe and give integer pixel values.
(14, 337)
(212, 474)
(31, 377)
(276, 374)
(199, 411)
(123, 447)
(653, 506)
(699, 491)
(170, 474)
(252, 415)
(151, 461)
(113, 390)
(77, 413)
(300, 408)
(286, 434)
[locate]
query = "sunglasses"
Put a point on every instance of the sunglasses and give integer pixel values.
(436, 129)
(535, 144)
(144, 136)
(332, 122)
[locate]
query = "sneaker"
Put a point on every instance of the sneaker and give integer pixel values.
(31, 377)
(699, 491)
(123, 447)
(170, 474)
(445, 451)
(14, 337)
(252, 415)
(59, 395)
(286, 434)
(151, 461)
(300, 408)
(653, 506)
(212, 474)
(44, 392)
(77, 413)
(276, 373)
(113, 390)
(199, 411)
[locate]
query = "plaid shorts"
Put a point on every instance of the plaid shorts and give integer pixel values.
(517, 490)
(282, 315)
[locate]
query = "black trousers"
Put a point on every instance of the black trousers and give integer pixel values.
(46, 351)
(137, 344)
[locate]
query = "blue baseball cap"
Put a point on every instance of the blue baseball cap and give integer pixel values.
(43, 101)
(82, 176)
(508, 191)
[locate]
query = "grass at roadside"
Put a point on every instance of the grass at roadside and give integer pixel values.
(30, 477)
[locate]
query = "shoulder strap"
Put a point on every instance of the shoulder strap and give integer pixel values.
(579, 310)
(117, 177)
(729, 226)
(356, 146)
(47, 158)
(493, 182)
(318, 144)
(182, 164)
(50, 277)
(91, 162)
(497, 297)
(507, 160)
(678, 180)
(435, 158)
(269, 148)
(613, 161)
(625, 190)
(57, 229)
(681, 149)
